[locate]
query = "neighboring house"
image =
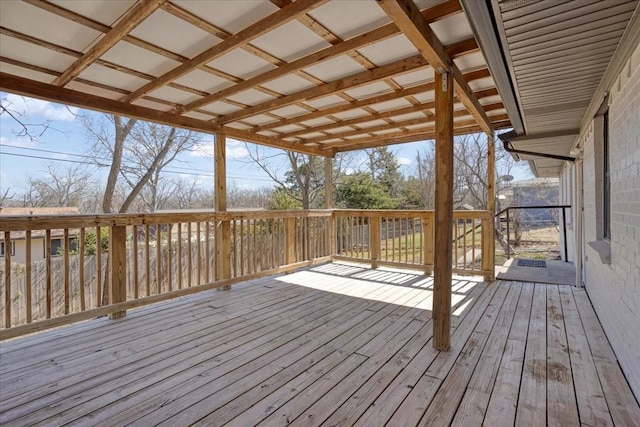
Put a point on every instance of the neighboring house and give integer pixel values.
(18, 245)
(536, 192)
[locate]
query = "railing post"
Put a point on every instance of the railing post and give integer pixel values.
(7, 279)
(117, 267)
(332, 234)
(223, 251)
(508, 244)
(374, 241)
(289, 241)
(487, 259)
(223, 227)
(564, 235)
(427, 244)
(491, 207)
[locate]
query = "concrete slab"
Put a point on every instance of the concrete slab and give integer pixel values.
(555, 273)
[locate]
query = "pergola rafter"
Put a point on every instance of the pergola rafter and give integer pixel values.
(255, 107)
(342, 47)
(407, 17)
(238, 40)
(135, 16)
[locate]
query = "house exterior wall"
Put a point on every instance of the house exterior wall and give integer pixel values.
(613, 284)
(37, 251)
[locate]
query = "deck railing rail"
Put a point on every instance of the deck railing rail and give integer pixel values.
(77, 267)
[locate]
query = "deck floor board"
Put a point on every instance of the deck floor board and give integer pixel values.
(332, 345)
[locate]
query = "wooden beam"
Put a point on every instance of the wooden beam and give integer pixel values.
(328, 204)
(61, 49)
(117, 267)
(299, 64)
(427, 87)
(430, 15)
(443, 212)
(348, 82)
(35, 89)
(406, 16)
(238, 40)
(386, 140)
(360, 120)
(490, 266)
(398, 124)
(328, 183)
(383, 115)
(460, 127)
(223, 228)
(138, 13)
(274, 142)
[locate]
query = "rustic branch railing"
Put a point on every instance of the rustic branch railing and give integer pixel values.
(63, 269)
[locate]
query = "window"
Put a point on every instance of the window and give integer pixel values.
(13, 248)
(606, 185)
(57, 246)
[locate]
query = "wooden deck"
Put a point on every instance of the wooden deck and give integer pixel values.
(331, 345)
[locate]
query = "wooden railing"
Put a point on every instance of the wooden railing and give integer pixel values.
(404, 238)
(63, 269)
(386, 237)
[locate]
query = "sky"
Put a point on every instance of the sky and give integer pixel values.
(64, 143)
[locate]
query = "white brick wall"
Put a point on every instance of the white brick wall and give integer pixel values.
(615, 289)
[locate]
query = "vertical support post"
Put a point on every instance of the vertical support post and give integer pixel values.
(508, 232)
(488, 259)
(427, 243)
(564, 234)
(289, 241)
(7, 279)
(223, 228)
(117, 267)
(328, 204)
(328, 182)
(443, 211)
(374, 241)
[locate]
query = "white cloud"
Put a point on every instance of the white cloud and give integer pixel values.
(30, 107)
(235, 149)
(18, 141)
(404, 161)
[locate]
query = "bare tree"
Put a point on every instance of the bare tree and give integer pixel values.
(470, 170)
(71, 186)
(427, 176)
(248, 197)
(190, 195)
(24, 128)
(139, 151)
(7, 196)
(300, 176)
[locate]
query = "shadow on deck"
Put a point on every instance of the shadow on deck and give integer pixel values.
(335, 344)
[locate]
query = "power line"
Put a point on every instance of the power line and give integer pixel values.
(174, 169)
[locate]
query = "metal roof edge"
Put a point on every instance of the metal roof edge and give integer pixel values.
(484, 28)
